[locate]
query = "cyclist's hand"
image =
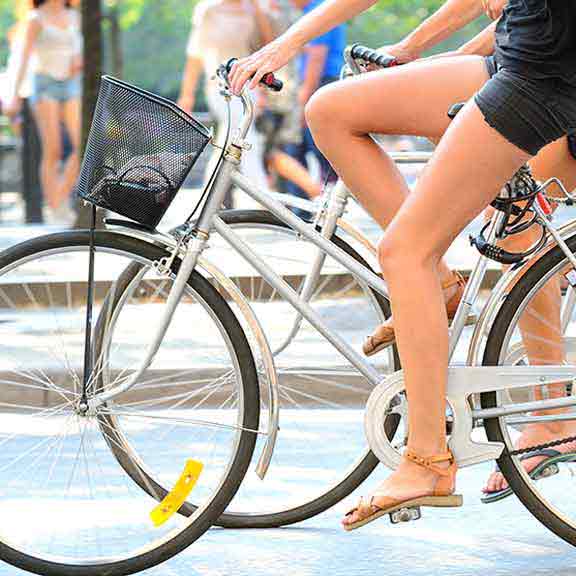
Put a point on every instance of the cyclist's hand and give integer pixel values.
(494, 8)
(270, 58)
(402, 52)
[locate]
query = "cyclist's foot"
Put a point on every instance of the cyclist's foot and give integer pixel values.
(384, 335)
(417, 482)
(534, 435)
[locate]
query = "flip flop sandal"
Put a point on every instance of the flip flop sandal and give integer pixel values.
(546, 468)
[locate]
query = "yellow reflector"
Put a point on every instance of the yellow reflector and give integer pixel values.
(177, 496)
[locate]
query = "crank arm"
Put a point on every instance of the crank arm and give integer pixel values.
(464, 382)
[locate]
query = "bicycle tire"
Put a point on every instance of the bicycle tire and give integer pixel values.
(343, 488)
(246, 440)
(554, 259)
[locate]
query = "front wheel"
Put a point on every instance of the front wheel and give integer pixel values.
(191, 414)
(321, 454)
(536, 325)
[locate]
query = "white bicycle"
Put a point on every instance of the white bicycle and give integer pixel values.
(136, 432)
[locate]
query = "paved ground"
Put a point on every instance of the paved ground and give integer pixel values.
(477, 540)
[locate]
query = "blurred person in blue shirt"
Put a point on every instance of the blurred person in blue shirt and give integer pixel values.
(319, 64)
(321, 60)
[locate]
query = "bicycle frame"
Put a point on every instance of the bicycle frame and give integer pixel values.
(463, 381)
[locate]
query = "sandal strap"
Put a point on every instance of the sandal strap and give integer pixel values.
(430, 462)
(364, 506)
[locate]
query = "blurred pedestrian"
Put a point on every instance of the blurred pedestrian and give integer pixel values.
(52, 49)
(279, 120)
(23, 124)
(318, 65)
(221, 30)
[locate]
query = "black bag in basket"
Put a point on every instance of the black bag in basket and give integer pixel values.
(139, 152)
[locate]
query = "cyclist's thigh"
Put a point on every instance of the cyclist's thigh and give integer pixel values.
(555, 159)
(409, 99)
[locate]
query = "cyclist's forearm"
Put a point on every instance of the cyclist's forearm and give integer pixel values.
(451, 17)
(324, 18)
(482, 44)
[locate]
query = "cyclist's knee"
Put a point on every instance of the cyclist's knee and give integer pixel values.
(399, 252)
(318, 111)
(393, 253)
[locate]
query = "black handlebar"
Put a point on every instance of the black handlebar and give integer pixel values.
(268, 80)
(359, 52)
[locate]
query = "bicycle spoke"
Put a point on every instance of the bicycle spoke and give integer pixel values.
(182, 421)
(309, 396)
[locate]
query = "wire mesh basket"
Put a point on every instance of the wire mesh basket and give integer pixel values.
(139, 152)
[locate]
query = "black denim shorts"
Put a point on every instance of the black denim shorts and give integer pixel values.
(530, 113)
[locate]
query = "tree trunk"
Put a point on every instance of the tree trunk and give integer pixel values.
(92, 33)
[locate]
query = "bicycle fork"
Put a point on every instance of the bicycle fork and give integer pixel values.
(193, 250)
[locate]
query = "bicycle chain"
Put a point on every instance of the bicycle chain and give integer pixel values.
(542, 446)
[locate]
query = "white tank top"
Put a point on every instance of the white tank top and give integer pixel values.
(56, 47)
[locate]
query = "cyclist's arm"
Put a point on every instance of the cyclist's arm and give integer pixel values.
(276, 54)
(452, 16)
(448, 19)
(482, 44)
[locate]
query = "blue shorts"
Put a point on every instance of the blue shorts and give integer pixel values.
(44, 86)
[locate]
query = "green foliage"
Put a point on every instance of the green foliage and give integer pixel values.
(154, 42)
(6, 22)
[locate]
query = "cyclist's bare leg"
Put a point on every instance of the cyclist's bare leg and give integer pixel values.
(555, 160)
(540, 324)
(386, 101)
(419, 234)
(472, 156)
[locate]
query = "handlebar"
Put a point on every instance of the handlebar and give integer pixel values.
(359, 52)
(268, 80)
(354, 56)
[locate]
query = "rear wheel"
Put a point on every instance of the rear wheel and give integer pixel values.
(529, 329)
(187, 410)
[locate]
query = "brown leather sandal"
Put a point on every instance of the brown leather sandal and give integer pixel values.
(442, 496)
(384, 335)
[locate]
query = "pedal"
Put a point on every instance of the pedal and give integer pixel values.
(405, 515)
